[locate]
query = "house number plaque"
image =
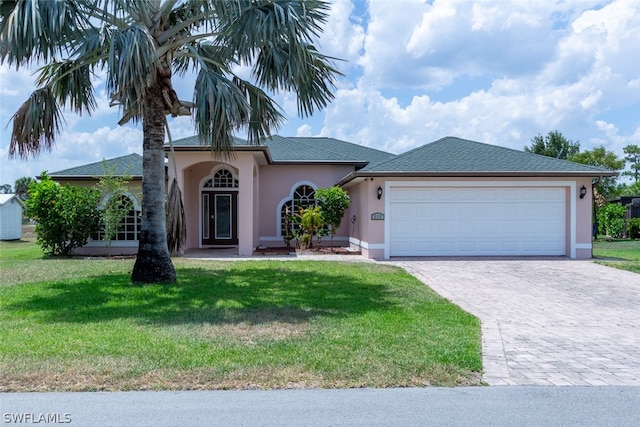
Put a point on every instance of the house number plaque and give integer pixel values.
(377, 216)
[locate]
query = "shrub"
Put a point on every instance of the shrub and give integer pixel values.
(611, 220)
(311, 221)
(65, 215)
(633, 228)
(333, 202)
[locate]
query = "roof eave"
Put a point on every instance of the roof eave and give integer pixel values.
(321, 162)
(195, 148)
(86, 177)
(473, 174)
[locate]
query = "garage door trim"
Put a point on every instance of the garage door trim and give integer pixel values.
(389, 185)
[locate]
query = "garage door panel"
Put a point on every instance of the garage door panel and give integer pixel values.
(472, 221)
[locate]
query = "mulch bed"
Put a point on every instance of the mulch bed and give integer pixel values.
(323, 250)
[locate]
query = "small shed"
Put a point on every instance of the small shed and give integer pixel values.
(10, 217)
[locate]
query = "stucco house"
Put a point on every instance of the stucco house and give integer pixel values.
(451, 197)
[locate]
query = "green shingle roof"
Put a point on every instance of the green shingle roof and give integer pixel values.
(452, 154)
(305, 149)
(125, 165)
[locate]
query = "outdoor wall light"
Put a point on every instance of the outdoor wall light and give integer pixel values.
(379, 192)
(583, 192)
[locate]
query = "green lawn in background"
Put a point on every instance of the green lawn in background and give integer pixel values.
(622, 254)
(78, 324)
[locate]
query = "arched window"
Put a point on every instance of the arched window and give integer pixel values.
(223, 178)
(129, 227)
(303, 197)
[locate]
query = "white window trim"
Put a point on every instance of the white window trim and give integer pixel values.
(287, 199)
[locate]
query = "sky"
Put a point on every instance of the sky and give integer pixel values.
(494, 71)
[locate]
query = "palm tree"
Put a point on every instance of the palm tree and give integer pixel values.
(141, 44)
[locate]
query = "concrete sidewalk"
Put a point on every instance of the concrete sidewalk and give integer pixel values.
(546, 322)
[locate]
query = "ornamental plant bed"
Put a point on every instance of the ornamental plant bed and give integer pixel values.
(322, 250)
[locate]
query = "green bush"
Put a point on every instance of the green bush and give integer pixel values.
(633, 228)
(611, 220)
(65, 215)
(333, 202)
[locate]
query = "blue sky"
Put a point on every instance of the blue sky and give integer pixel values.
(498, 71)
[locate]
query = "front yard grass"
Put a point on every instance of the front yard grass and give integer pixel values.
(622, 254)
(78, 324)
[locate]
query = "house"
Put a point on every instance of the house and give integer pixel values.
(10, 217)
(451, 197)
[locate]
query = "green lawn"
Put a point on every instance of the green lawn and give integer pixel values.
(623, 254)
(74, 324)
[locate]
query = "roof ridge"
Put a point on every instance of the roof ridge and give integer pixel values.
(553, 159)
(317, 147)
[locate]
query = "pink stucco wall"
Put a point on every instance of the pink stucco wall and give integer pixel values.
(262, 190)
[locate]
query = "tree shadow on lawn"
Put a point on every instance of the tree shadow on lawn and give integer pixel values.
(215, 296)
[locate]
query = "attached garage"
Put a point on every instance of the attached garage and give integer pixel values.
(455, 197)
(476, 221)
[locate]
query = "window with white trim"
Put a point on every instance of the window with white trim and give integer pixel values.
(223, 178)
(303, 197)
(129, 227)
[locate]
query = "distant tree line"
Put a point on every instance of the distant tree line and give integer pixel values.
(554, 144)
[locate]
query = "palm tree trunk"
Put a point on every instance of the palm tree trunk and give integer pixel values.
(153, 263)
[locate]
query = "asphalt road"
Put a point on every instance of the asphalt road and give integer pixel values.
(465, 406)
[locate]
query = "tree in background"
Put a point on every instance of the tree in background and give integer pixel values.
(6, 189)
(602, 158)
(333, 202)
(22, 187)
(629, 190)
(65, 215)
(139, 45)
(553, 145)
(633, 158)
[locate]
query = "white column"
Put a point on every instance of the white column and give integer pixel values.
(245, 204)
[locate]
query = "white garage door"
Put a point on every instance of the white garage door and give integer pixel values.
(429, 221)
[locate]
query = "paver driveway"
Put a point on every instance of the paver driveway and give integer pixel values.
(546, 322)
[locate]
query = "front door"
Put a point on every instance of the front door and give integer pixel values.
(219, 218)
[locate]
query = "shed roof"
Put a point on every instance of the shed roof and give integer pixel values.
(5, 198)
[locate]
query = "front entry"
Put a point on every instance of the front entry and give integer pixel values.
(219, 218)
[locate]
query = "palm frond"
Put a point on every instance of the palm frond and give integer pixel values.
(264, 113)
(32, 31)
(277, 37)
(131, 66)
(299, 68)
(220, 109)
(70, 81)
(176, 224)
(35, 124)
(250, 25)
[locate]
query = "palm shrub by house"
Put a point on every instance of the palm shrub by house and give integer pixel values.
(311, 222)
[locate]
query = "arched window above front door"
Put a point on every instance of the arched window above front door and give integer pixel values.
(222, 178)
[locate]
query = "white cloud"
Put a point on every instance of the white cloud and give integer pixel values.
(494, 71)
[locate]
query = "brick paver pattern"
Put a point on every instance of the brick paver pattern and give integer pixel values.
(546, 322)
